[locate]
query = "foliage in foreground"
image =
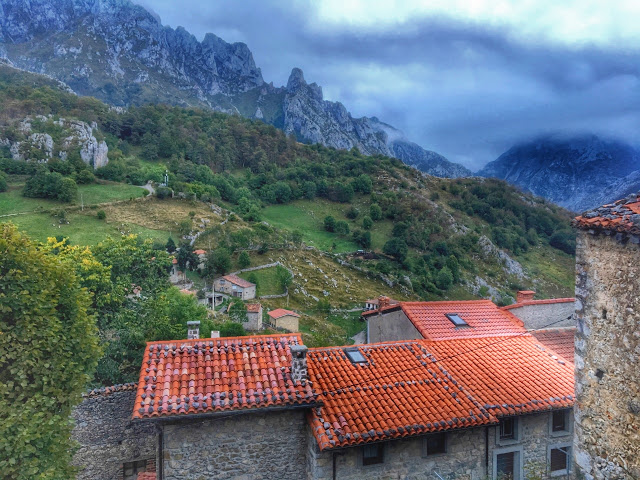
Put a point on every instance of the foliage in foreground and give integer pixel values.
(49, 348)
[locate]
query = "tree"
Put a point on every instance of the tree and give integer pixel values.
(184, 227)
(218, 262)
(329, 223)
(170, 245)
(342, 227)
(237, 310)
(101, 214)
(49, 348)
(375, 212)
(3, 182)
(397, 248)
(186, 258)
(284, 277)
(367, 223)
(444, 279)
(243, 260)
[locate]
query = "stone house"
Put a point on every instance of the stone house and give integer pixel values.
(284, 319)
(374, 303)
(462, 408)
(536, 314)
(235, 286)
(607, 417)
(254, 317)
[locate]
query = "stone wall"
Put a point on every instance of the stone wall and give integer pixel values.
(107, 437)
(536, 316)
(466, 457)
(252, 445)
(390, 326)
(607, 441)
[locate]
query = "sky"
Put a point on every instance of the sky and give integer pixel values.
(467, 79)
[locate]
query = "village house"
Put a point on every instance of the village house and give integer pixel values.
(537, 314)
(284, 319)
(235, 286)
(607, 343)
(254, 317)
(374, 303)
(457, 406)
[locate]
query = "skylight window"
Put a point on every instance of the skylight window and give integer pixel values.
(355, 356)
(457, 320)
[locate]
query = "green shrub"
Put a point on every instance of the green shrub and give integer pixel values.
(101, 215)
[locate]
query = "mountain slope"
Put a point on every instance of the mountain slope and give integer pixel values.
(577, 173)
(120, 53)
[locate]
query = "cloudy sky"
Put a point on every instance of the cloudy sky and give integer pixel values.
(466, 78)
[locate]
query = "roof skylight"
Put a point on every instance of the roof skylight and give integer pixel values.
(355, 356)
(457, 320)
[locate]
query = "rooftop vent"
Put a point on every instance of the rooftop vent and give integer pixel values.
(456, 320)
(355, 355)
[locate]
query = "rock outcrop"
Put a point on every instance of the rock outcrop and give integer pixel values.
(39, 146)
(120, 53)
(577, 173)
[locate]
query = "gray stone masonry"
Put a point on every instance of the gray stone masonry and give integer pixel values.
(540, 315)
(607, 415)
(390, 326)
(406, 459)
(108, 438)
(299, 370)
(249, 446)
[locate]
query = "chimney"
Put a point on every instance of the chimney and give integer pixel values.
(193, 330)
(215, 333)
(299, 363)
(383, 302)
(524, 296)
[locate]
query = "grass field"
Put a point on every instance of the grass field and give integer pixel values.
(81, 229)
(267, 281)
(308, 216)
(12, 200)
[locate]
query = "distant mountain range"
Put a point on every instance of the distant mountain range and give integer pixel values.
(120, 53)
(578, 173)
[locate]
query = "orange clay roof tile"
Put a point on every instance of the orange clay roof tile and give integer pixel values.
(415, 387)
(253, 307)
(622, 216)
(212, 375)
(559, 340)
(241, 282)
(483, 317)
(281, 312)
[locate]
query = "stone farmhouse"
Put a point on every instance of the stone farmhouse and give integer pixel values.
(254, 317)
(283, 319)
(235, 286)
(607, 421)
(469, 402)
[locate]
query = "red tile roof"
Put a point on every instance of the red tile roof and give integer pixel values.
(483, 317)
(200, 252)
(253, 307)
(106, 391)
(206, 376)
(414, 387)
(399, 392)
(376, 301)
(241, 282)
(539, 302)
(281, 312)
(560, 340)
(622, 216)
(511, 376)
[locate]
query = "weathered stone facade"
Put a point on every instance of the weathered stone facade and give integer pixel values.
(540, 315)
(249, 445)
(607, 440)
(108, 438)
(391, 326)
(467, 456)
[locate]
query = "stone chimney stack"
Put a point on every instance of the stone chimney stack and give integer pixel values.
(193, 330)
(383, 302)
(299, 371)
(524, 296)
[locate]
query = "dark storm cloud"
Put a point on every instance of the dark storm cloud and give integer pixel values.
(466, 91)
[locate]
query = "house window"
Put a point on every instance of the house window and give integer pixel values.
(435, 444)
(130, 470)
(560, 422)
(509, 429)
(506, 466)
(355, 355)
(559, 459)
(373, 454)
(456, 319)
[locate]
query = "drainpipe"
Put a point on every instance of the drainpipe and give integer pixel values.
(335, 464)
(486, 451)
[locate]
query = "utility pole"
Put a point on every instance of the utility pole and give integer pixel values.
(81, 202)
